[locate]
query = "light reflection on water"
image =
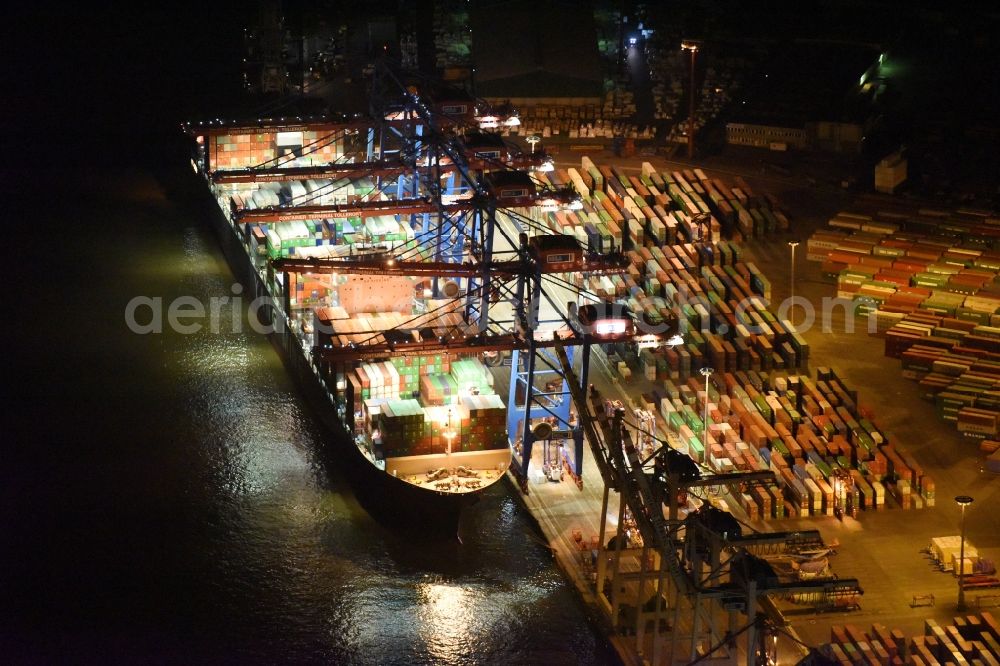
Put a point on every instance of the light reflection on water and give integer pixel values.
(443, 619)
(292, 568)
(257, 438)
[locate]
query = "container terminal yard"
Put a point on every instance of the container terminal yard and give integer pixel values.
(720, 482)
(515, 354)
(751, 415)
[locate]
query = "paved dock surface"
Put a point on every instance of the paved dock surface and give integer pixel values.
(883, 550)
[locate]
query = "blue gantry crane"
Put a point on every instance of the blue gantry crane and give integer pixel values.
(466, 197)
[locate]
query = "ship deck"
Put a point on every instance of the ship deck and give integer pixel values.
(458, 472)
(455, 473)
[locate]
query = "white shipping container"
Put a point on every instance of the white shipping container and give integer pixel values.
(259, 199)
(964, 567)
(815, 497)
(704, 316)
(879, 491)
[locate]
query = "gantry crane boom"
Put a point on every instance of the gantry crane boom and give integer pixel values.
(378, 168)
(386, 265)
(381, 349)
(351, 170)
(396, 207)
(283, 124)
(299, 124)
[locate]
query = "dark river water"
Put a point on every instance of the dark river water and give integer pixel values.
(169, 498)
(166, 498)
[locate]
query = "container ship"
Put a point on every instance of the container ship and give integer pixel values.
(393, 272)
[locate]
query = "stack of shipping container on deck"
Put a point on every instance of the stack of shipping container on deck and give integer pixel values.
(241, 150)
(453, 398)
(255, 148)
(317, 237)
(404, 374)
(472, 423)
(483, 423)
(400, 424)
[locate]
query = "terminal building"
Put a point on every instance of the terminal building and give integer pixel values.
(836, 137)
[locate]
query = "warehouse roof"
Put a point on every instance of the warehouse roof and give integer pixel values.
(546, 49)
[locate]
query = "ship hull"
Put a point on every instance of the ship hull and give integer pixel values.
(390, 500)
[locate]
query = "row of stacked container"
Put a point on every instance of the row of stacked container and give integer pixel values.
(957, 364)
(402, 374)
(722, 313)
(606, 120)
(313, 191)
(282, 239)
(931, 283)
(465, 376)
(413, 369)
(593, 128)
(811, 433)
(228, 152)
(309, 290)
(891, 266)
(482, 423)
(721, 302)
(619, 102)
(969, 639)
(340, 328)
(378, 380)
(675, 197)
(398, 423)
